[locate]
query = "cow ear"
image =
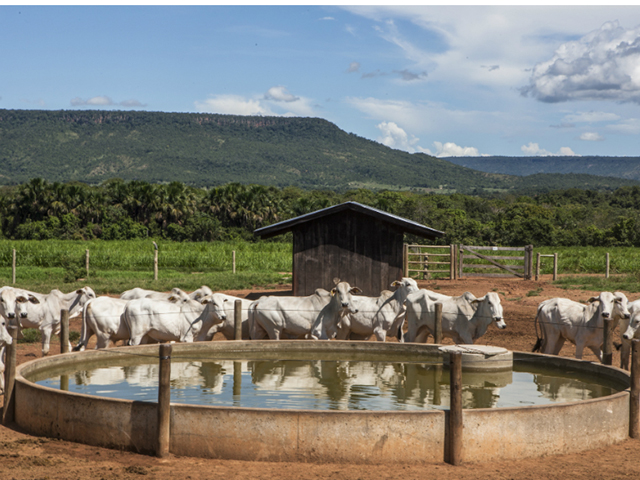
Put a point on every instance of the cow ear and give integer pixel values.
(355, 290)
(395, 283)
(173, 298)
(21, 299)
(33, 300)
(333, 292)
(336, 280)
(205, 300)
(593, 299)
(79, 291)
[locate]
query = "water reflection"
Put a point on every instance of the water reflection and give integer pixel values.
(333, 385)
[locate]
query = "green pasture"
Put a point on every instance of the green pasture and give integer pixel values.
(115, 266)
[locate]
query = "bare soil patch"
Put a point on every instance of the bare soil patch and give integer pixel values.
(23, 456)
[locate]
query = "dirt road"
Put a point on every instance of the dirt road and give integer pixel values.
(26, 457)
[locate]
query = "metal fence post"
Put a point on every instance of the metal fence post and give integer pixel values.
(164, 401)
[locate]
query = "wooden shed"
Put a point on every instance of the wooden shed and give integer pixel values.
(355, 243)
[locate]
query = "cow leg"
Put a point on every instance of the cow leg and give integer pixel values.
(597, 352)
(46, 339)
(423, 334)
(380, 334)
(579, 350)
(102, 340)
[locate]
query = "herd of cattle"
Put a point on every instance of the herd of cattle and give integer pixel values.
(143, 316)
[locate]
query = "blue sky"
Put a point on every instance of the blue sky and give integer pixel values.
(457, 80)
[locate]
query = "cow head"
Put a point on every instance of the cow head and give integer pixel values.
(634, 326)
(605, 301)
(84, 294)
(326, 324)
(492, 308)
(406, 286)
(5, 338)
(620, 307)
(8, 302)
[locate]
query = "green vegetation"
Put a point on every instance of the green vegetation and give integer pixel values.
(117, 266)
(620, 167)
(212, 150)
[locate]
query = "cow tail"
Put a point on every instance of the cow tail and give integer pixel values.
(539, 336)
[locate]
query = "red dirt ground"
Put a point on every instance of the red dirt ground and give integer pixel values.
(23, 456)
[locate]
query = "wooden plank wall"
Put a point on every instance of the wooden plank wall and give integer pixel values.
(353, 247)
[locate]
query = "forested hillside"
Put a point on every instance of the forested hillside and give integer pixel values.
(121, 210)
(211, 150)
(620, 167)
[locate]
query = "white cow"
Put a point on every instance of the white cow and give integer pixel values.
(583, 325)
(379, 316)
(162, 321)
(629, 329)
(222, 309)
(464, 318)
(102, 317)
(43, 311)
(340, 304)
(275, 317)
(137, 292)
(5, 339)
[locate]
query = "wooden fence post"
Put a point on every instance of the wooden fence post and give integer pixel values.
(237, 320)
(634, 397)
(405, 259)
(455, 409)
(164, 401)
(452, 262)
(86, 261)
(537, 266)
(607, 344)
(13, 268)
(528, 262)
(9, 407)
(437, 333)
(460, 260)
(237, 379)
(233, 261)
(155, 261)
(555, 267)
(64, 331)
(606, 273)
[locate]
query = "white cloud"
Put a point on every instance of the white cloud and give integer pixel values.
(232, 105)
(591, 137)
(280, 94)
(395, 137)
(354, 67)
(602, 65)
(533, 149)
(630, 126)
(277, 101)
(591, 117)
(450, 149)
(104, 101)
(327, 18)
(101, 100)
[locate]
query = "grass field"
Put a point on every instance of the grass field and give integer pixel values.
(115, 266)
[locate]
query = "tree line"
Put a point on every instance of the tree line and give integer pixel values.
(121, 210)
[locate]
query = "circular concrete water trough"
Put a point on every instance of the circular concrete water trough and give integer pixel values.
(327, 436)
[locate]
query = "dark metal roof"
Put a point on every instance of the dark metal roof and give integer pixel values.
(407, 226)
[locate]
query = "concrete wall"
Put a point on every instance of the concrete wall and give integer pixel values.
(317, 436)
